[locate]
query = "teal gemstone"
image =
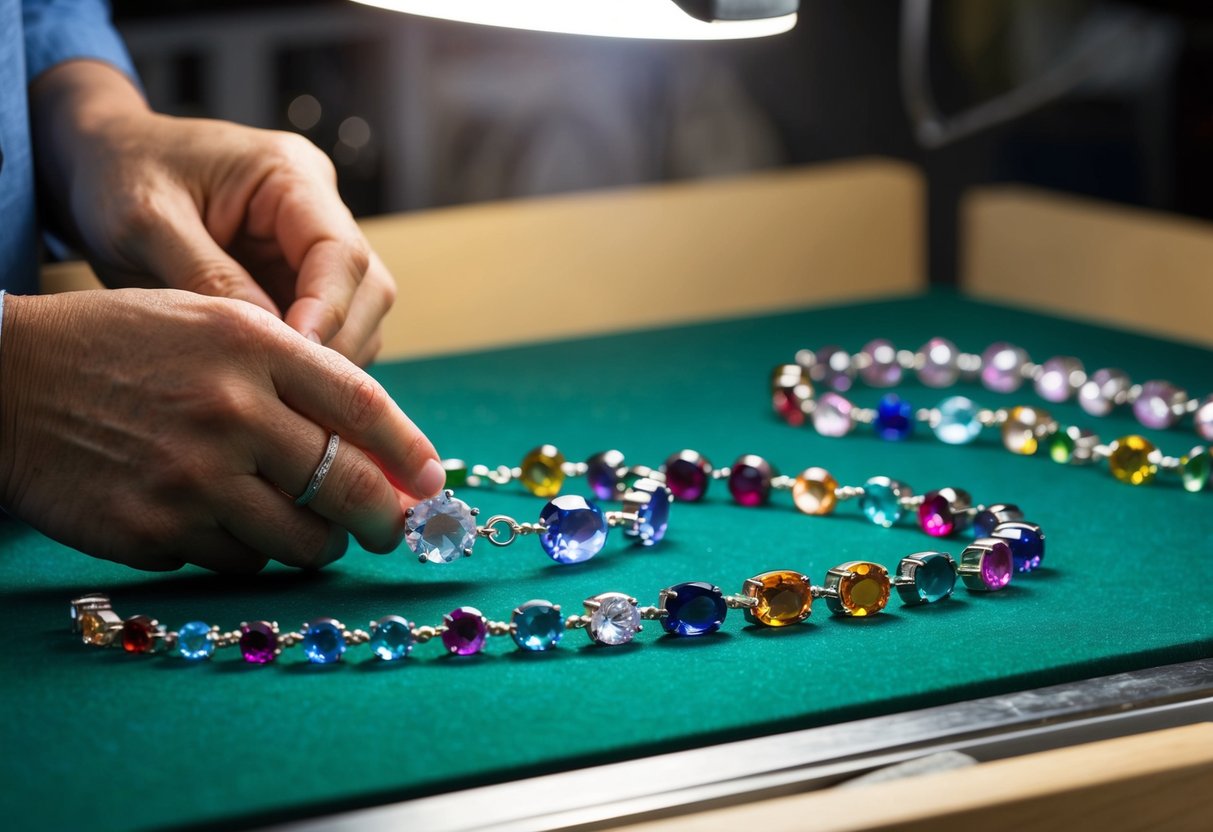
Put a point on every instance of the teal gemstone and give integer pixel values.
(537, 626)
(958, 423)
(194, 641)
(934, 578)
(1195, 469)
(881, 500)
(391, 638)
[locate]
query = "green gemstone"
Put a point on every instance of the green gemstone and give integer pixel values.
(1195, 469)
(456, 473)
(1061, 447)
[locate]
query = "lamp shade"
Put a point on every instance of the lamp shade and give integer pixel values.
(659, 19)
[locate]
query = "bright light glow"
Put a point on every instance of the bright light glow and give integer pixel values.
(659, 19)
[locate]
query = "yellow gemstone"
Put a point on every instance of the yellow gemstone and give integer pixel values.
(862, 586)
(813, 491)
(1023, 429)
(1135, 460)
(784, 597)
(543, 471)
(95, 630)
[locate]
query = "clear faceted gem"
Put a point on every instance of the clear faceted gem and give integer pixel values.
(465, 631)
(833, 415)
(537, 626)
(940, 363)
(694, 608)
(323, 641)
(1002, 367)
(882, 367)
(575, 530)
(440, 529)
(1158, 404)
(1059, 378)
(392, 638)
(959, 422)
(881, 500)
(614, 619)
(1099, 394)
(194, 641)
(650, 501)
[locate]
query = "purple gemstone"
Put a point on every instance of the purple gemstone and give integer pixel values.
(883, 369)
(750, 480)
(997, 566)
(935, 515)
(832, 415)
(686, 475)
(1002, 367)
(1155, 407)
(604, 473)
(258, 642)
(465, 631)
(940, 360)
(1098, 395)
(833, 367)
(1057, 378)
(1204, 419)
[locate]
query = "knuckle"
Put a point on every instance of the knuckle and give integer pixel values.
(136, 214)
(213, 278)
(360, 490)
(358, 252)
(366, 403)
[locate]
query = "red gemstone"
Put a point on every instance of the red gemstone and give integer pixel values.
(750, 480)
(686, 475)
(788, 407)
(935, 515)
(138, 635)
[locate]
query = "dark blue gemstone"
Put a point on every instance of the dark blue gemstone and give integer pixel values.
(653, 516)
(575, 529)
(1027, 543)
(604, 473)
(695, 608)
(894, 418)
(986, 520)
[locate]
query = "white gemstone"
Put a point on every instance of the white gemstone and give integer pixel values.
(616, 621)
(440, 529)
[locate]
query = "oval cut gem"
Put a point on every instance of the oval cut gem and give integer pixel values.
(944, 511)
(614, 619)
(815, 491)
(441, 529)
(986, 565)
(1023, 429)
(925, 578)
(857, 588)
(1027, 543)
(465, 631)
(604, 473)
(138, 634)
(575, 530)
(542, 471)
(882, 369)
(1195, 468)
(258, 642)
(650, 501)
(1059, 377)
(783, 597)
(392, 638)
(537, 626)
(323, 641)
(1203, 419)
(750, 480)
(958, 421)
(194, 641)
(881, 501)
(686, 475)
(1002, 367)
(694, 608)
(1134, 460)
(894, 418)
(940, 363)
(1100, 393)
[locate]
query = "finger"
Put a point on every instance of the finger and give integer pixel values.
(371, 303)
(331, 391)
(369, 351)
(261, 517)
(354, 494)
(218, 550)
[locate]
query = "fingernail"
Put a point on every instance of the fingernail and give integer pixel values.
(430, 478)
(314, 338)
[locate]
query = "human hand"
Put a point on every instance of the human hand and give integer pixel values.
(157, 428)
(207, 206)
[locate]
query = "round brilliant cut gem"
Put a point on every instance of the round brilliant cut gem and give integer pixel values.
(944, 511)
(323, 640)
(650, 501)
(1027, 543)
(440, 529)
(883, 369)
(894, 418)
(194, 641)
(815, 491)
(783, 597)
(1023, 429)
(986, 520)
(614, 618)
(926, 578)
(392, 638)
(1059, 377)
(1099, 394)
(1134, 460)
(857, 588)
(604, 473)
(986, 565)
(543, 471)
(750, 480)
(258, 642)
(1195, 469)
(958, 422)
(1157, 405)
(834, 368)
(940, 363)
(694, 608)
(791, 389)
(139, 634)
(465, 631)
(882, 499)
(686, 475)
(537, 626)
(1002, 367)
(1204, 419)
(833, 415)
(575, 530)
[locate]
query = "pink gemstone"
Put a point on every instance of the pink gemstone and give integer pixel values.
(939, 366)
(832, 416)
(997, 566)
(750, 480)
(1098, 395)
(686, 475)
(1002, 367)
(465, 632)
(1155, 407)
(833, 368)
(1204, 419)
(935, 515)
(1057, 378)
(883, 369)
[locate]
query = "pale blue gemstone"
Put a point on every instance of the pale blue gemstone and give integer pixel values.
(391, 638)
(958, 422)
(194, 641)
(881, 501)
(575, 530)
(441, 529)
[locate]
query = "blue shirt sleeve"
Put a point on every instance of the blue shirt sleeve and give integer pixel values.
(60, 30)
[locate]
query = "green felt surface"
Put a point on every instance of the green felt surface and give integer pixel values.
(147, 742)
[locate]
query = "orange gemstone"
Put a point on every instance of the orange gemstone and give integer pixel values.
(784, 597)
(862, 587)
(813, 491)
(95, 630)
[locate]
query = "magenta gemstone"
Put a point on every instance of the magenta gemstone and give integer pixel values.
(1204, 419)
(788, 408)
(997, 566)
(686, 475)
(750, 480)
(1154, 408)
(935, 515)
(883, 369)
(258, 642)
(1002, 367)
(466, 631)
(832, 415)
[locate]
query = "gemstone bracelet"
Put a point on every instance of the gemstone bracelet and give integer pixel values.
(1002, 368)
(687, 474)
(856, 589)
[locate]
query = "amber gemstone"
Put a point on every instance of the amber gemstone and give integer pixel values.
(138, 634)
(813, 491)
(94, 629)
(543, 471)
(1024, 428)
(784, 597)
(862, 588)
(1135, 460)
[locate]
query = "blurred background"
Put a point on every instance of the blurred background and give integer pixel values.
(1108, 100)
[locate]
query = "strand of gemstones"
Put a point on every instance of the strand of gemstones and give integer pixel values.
(781, 598)
(687, 474)
(1024, 429)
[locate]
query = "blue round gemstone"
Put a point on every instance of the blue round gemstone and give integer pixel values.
(194, 641)
(935, 578)
(894, 418)
(651, 503)
(391, 638)
(986, 520)
(575, 529)
(537, 625)
(604, 472)
(958, 422)
(881, 501)
(323, 641)
(693, 609)
(1027, 543)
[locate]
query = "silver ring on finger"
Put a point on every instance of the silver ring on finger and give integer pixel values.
(322, 470)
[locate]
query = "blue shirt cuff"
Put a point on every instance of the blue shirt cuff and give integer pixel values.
(63, 30)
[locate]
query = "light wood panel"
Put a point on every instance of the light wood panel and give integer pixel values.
(1132, 268)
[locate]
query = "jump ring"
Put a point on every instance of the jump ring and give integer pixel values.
(322, 470)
